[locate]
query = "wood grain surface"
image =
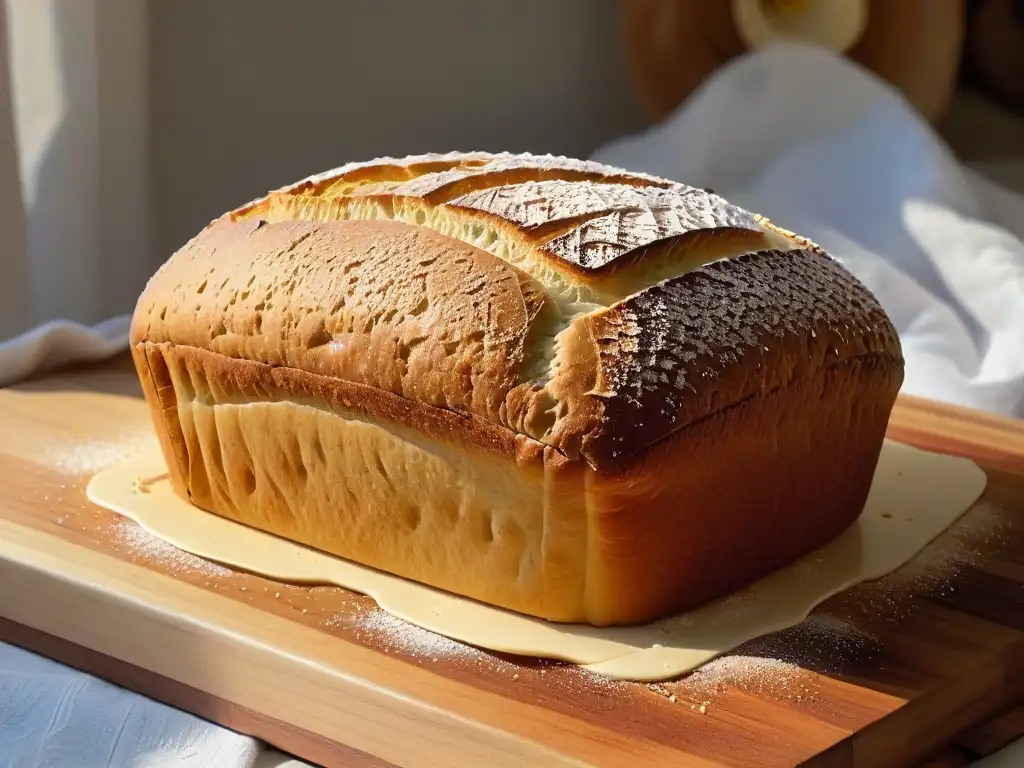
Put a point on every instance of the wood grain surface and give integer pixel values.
(887, 673)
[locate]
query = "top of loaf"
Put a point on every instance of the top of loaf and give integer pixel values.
(593, 309)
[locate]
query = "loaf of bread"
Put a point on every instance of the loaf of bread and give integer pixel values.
(549, 385)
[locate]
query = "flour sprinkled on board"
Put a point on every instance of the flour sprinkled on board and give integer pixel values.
(753, 674)
(965, 544)
(936, 572)
(146, 547)
(392, 634)
(821, 643)
(583, 682)
(841, 642)
(781, 665)
(92, 456)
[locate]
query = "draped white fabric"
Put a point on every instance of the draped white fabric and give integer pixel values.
(826, 149)
(77, 228)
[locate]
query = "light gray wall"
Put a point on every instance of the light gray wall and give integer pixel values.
(252, 94)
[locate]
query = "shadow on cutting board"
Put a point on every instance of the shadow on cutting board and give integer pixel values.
(109, 377)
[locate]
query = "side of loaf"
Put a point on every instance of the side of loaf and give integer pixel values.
(557, 387)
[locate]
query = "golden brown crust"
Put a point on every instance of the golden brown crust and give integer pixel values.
(619, 258)
(696, 345)
(729, 499)
(598, 226)
(586, 219)
(442, 177)
(447, 499)
(210, 377)
(610, 335)
(383, 304)
(696, 516)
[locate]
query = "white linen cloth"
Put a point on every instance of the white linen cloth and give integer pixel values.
(52, 716)
(816, 144)
(60, 343)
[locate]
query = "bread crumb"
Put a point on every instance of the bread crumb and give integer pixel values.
(660, 689)
(768, 677)
(703, 709)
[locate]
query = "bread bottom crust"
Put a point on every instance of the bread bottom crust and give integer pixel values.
(441, 499)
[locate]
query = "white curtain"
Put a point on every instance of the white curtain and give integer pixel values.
(76, 234)
(75, 185)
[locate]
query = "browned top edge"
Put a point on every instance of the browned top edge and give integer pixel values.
(238, 380)
(675, 353)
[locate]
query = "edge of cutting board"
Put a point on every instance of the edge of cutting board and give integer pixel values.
(996, 441)
(337, 702)
(287, 737)
(263, 663)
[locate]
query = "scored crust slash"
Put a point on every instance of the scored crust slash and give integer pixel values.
(550, 385)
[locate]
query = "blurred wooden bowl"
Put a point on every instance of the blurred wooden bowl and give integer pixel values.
(672, 46)
(995, 49)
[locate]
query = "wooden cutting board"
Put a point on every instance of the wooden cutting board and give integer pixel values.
(884, 674)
